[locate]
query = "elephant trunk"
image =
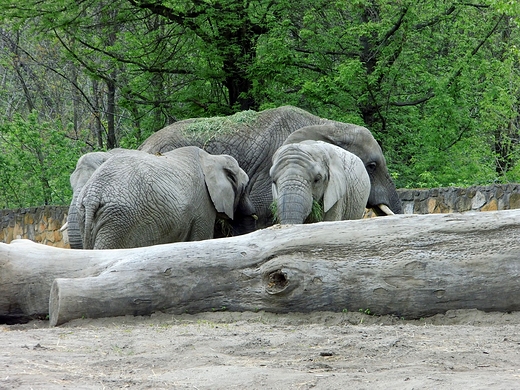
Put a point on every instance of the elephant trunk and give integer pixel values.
(245, 217)
(294, 203)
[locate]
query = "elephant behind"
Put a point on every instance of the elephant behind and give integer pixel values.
(316, 171)
(85, 167)
(140, 199)
(252, 139)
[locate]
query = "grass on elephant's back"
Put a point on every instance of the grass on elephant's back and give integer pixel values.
(207, 128)
(316, 214)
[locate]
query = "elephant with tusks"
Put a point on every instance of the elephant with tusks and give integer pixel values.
(252, 138)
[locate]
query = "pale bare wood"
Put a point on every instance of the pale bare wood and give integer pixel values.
(409, 265)
(27, 270)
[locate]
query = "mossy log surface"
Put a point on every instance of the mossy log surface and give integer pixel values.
(408, 265)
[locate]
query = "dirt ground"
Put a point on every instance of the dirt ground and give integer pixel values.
(465, 349)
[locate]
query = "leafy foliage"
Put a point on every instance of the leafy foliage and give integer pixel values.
(316, 214)
(437, 82)
(35, 161)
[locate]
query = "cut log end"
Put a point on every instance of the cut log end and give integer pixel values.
(54, 305)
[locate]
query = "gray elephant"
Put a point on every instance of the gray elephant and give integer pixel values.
(244, 221)
(383, 198)
(140, 199)
(253, 137)
(85, 167)
(316, 171)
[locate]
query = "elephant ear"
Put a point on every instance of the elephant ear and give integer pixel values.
(337, 186)
(222, 181)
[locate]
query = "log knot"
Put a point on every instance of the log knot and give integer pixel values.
(276, 281)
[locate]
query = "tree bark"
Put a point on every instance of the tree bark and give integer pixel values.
(408, 265)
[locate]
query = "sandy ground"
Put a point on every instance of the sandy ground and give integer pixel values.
(465, 349)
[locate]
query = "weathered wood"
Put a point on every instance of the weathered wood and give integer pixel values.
(27, 271)
(411, 266)
(408, 265)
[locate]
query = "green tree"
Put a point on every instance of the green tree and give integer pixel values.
(437, 82)
(418, 74)
(36, 161)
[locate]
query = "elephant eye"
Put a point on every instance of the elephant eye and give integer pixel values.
(371, 167)
(317, 178)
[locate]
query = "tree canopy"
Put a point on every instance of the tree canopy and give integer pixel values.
(437, 82)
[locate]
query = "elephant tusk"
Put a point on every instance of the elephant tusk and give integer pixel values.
(64, 227)
(255, 217)
(385, 209)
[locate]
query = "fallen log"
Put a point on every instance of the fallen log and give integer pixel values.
(411, 266)
(408, 265)
(27, 270)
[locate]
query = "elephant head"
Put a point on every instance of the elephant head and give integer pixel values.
(358, 140)
(315, 171)
(225, 182)
(227, 188)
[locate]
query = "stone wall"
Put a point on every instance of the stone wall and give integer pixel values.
(39, 224)
(42, 224)
(459, 200)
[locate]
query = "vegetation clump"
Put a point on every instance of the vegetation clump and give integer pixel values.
(316, 214)
(206, 128)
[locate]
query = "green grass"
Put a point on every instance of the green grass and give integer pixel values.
(206, 128)
(316, 214)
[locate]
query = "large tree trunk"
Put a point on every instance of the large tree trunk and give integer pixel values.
(409, 265)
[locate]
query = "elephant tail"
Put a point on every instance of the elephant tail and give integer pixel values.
(86, 216)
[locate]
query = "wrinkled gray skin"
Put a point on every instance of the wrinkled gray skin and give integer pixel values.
(359, 141)
(85, 167)
(243, 222)
(254, 143)
(140, 199)
(315, 170)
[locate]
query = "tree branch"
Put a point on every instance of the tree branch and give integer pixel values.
(181, 18)
(476, 49)
(435, 20)
(413, 102)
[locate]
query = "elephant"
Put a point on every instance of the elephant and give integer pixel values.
(245, 215)
(383, 198)
(253, 137)
(140, 199)
(322, 172)
(85, 167)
